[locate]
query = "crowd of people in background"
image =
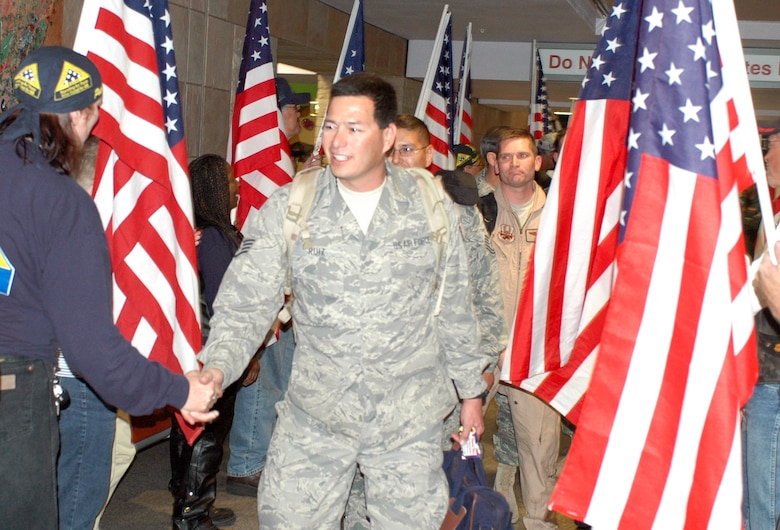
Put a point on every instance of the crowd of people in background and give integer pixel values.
(389, 358)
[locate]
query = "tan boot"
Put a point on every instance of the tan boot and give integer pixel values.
(505, 485)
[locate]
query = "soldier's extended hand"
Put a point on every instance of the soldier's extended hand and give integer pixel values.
(202, 396)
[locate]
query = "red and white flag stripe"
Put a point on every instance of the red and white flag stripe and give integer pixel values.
(561, 314)
(142, 188)
(658, 437)
(257, 148)
(435, 105)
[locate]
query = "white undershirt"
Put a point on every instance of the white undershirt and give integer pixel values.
(362, 204)
(522, 211)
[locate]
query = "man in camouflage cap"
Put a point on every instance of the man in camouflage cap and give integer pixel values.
(374, 361)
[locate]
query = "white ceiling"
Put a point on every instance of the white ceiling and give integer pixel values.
(509, 20)
(549, 21)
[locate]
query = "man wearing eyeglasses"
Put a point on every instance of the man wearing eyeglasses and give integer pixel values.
(412, 146)
(537, 425)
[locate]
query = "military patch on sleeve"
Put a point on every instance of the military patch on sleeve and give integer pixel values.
(7, 271)
(245, 246)
(27, 81)
(73, 80)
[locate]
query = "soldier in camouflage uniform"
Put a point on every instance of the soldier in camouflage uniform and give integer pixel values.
(413, 149)
(373, 366)
(487, 179)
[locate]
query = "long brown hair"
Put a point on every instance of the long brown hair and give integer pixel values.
(59, 146)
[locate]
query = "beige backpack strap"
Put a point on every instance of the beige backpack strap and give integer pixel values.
(302, 192)
(432, 194)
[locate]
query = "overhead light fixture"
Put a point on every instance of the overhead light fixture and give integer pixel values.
(593, 12)
(288, 69)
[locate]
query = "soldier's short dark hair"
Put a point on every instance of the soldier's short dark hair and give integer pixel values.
(489, 142)
(374, 87)
(414, 124)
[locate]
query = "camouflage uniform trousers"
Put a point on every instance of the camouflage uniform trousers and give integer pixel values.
(355, 516)
(504, 440)
(311, 466)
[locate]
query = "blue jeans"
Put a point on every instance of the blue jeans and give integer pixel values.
(84, 468)
(255, 412)
(760, 446)
(28, 445)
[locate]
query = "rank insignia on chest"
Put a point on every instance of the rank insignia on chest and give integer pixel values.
(506, 233)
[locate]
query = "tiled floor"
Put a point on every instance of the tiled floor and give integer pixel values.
(142, 499)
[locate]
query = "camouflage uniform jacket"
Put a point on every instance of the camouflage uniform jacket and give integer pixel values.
(483, 188)
(367, 341)
(485, 284)
(512, 244)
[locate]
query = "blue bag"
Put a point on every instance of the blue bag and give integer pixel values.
(473, 504)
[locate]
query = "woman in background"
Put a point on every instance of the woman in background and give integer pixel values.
(194, 468)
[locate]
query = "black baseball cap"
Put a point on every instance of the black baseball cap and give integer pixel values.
(51, 79)
(285, 95)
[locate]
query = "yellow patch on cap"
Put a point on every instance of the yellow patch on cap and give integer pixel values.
(27, 81)
(462, 157)
(73, 80)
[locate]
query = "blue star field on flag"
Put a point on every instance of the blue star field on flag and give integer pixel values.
(675, 79)
(355, 57)
(541, 95)
(442, 81)
(257, 45)
(158, 13)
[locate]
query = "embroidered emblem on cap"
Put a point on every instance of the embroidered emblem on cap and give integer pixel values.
(73, 80)
(27, 81)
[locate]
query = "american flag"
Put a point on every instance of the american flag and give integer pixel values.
(353, 53)
(141, 183)
(435, 104)
(658, 438)
(563, 303)
(540, 111)
(463, 103)
(258, 150)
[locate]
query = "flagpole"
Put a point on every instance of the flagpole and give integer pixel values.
(534, 83)
(340, 66)
(425, 93)
(345, 46)
(465, 67)
(747, 117)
